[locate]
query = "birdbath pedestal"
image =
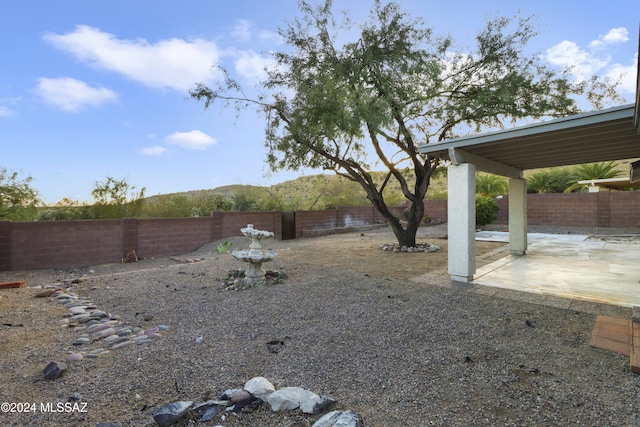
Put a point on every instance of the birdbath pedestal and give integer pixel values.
(255, 255)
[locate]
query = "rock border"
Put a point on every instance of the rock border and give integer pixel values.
(258, 391)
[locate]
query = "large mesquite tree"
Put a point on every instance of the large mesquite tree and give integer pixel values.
(335, 105)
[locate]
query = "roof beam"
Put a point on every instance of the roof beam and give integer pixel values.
(458, 156)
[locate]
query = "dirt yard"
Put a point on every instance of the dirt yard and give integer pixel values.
(395, 351)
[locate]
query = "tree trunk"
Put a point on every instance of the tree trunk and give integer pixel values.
(415, 213)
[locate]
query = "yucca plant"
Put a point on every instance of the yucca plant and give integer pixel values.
(601, 170)
(491, 185)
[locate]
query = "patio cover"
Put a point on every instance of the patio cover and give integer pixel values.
(605, 135)
(597, 136)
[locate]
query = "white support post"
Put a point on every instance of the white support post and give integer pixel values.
(518, 216)
(461, 213)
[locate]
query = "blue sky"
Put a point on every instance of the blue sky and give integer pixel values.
(90, 89)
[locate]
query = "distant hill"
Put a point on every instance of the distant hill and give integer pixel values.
(307, 192)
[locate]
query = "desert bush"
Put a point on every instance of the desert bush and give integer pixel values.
(486, 210)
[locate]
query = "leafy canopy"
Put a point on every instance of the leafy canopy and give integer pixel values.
(351, 106)
(17, 198)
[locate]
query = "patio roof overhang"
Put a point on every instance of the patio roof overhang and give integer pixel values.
(603, 135)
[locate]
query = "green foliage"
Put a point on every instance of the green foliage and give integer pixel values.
(249, 198)
(388, 90)
(116, 199)
(602, 170)
(486, 210)
(223, 248)
(182, 205)
(553, 180)
(65, 209)
(491, 185)
(18, 200)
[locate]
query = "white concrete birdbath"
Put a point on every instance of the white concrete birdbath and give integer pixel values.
(255, 255)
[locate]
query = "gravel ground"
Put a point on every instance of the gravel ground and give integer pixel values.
(355, 326)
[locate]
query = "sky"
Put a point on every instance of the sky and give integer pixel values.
(100, 88)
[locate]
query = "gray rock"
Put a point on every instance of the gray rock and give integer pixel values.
(239, 396)
(292, 398)
(104, 333)
(46, 293)
(74, 397)
(339, 419)
(323, 404)
(107, 425)
(328, 419)
(226, 395)
(54, 369)
(168, 414)
(207, 410)
(260, 387)
(97, 328)
(153, 330)
(121, 345)
(115, 339)
(349, 419)
(78, 310)
(81, 341)
(123, 331)
(74, 357)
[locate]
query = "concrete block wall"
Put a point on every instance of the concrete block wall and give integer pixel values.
(5, 245)
(625, 209)
(64, 243)
(232, 222)
(355, 216)
(436, 209)
(170, 236)
(603, 209)
(315, 220)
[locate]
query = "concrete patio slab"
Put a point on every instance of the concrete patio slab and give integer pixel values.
(569, 266)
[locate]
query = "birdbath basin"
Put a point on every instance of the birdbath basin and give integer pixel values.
(255, 255)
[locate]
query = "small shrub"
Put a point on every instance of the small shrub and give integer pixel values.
(486, 210)
(223, 248)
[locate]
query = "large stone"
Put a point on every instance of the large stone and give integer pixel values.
(339, 419)
(349, 419)
(46, 293)
(207, 410)
(292, 398)
(226, 395)
(240, 396)
(54, 369)
(74, 357)
(260, 387)
(328, 419)
(103, 333)
(323, 404)
(168, 414)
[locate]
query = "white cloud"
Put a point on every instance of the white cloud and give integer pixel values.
(614, 36)
(5, 111)
(253, 66)
(193, 140)
(72, 95)
(626, 74)
(173, 63)
(242, 30)
(155, 151)
(596, 59)
(583, 63)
